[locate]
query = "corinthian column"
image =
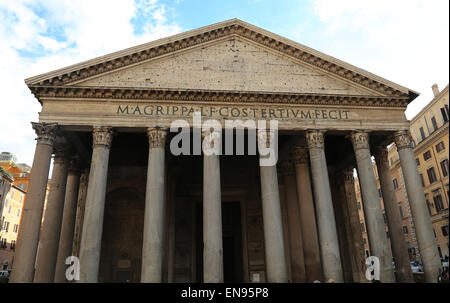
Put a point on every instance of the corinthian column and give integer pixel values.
(328, 238)
(91, 238)
(152, 250)
(68, 221)
(307, 215)
(294, 222)
(354, 236)
(273, 227)
(416, 197)
(51, 228)
(79, 217)
(27, 240)
(372, 208)
(212, 216)
(398, 243)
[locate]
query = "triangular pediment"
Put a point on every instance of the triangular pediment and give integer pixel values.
(229, 56)
(232, 64)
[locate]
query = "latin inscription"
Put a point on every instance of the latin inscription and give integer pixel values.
(228, 112)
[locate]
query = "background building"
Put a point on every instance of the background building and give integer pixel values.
(429, 129)
(14, 200)
(404, 209)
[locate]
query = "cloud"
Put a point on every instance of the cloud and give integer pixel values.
(405, 41)
(38, 36)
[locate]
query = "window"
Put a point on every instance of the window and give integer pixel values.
(422, 133)
(18, 212)
(362, 227)
(359, 205)
(16, 227)
(427, 155)
(445, 230)
(444, 167)
(391, 161)
(6, 226)
(417, 161)
(364, 240)
(444, 113)
(405, 230)
(440, 147)
(438, 203)
(395, 183)
(434, 123)
(13, 244)
(421, 179)
(429, 206)
(9, 208)
(380, 194)
(3, 243)
(431, 175)
(400, 208)
(388, 235)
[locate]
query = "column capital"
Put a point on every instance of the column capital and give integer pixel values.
(46, 132)
(60, 150)
(74, 164)
(360, 140)
(286, 167)
(315, 138)
(102, 135)
(156, 136)
(299, 154)
(403, 139)
(381, 154)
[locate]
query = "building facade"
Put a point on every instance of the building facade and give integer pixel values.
(429, 129)
(146, 187)
(10, 219)
(14, 201)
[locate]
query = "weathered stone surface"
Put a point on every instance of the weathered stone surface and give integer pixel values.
(233, 64)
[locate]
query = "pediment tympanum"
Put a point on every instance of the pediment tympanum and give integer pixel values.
(228, 57)
(230, 65)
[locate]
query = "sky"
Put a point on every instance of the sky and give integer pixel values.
(404, 41)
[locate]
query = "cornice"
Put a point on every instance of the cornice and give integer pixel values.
(209, 95)
(232, 27)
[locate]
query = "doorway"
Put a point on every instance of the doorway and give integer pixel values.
(231, 239)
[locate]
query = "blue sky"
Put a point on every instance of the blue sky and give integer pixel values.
(404, 41)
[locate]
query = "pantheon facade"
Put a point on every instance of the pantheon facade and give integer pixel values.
(131, 210)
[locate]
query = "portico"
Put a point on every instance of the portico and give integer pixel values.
(139, 207)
